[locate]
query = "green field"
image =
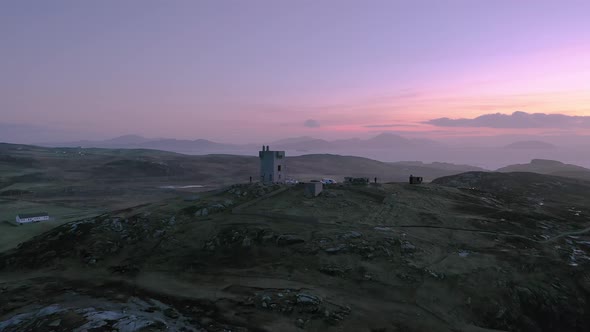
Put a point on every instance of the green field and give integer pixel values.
(11, 234)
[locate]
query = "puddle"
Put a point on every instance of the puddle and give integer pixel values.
(182, 187)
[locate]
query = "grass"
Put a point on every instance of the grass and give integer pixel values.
(12, 234)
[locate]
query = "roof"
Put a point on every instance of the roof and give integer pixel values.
(32, 215)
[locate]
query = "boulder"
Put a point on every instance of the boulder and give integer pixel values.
(308, 299)
(407, 247)
(289, 239)
(247, 242)
(351, 235)
(335, 249)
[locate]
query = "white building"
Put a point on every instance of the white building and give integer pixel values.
(32, 217)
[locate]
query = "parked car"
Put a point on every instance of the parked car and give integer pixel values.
(328, 181)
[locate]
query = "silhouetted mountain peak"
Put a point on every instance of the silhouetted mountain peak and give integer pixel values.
(546, 162)
(127, 139)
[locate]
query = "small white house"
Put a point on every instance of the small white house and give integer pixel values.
(32, 217)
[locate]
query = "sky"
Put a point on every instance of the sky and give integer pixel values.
(253, 71)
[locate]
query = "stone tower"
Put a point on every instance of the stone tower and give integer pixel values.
(272, 165)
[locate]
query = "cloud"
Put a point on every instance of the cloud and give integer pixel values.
(390, 126)
(516, 120)
(311, 123)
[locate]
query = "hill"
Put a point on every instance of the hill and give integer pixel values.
(381, 141)
(440, 166)
(470, 252)
(520, 185)
(71, 183)
(68, 164)
(550, 167)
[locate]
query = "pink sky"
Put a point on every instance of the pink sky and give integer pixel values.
(256, 71)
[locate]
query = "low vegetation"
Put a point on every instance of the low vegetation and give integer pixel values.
(474, 251)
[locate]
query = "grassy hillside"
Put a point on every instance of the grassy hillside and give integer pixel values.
(536, 189)
(72, 183)
(550, 167)
(19, 163)
(471, 252)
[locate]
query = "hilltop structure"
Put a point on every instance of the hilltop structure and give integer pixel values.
(353, 180)
(416, 179)
(272, 165)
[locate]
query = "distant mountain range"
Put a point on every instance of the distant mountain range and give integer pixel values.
(381, 141)
(99, 163)
(550, 167)
(441, 166)
(386, 147)
(533, 145)
(300, 144)
(214, 167)
(304, 144)
(167, 144)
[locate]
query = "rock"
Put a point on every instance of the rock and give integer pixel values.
(300, 323)
(351, 235)
(334, 270)
(265, 301)
(216, 207)
(247, 242)
(116, 225)
(308, 299)
(171, 313)
(55, 323)
(268, 237)
(335, 317)
(435, 275)
(407, 247)
(383, 229)
(289, 239)
(335, 249)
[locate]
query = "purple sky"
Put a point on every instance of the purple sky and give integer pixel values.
(258, 70)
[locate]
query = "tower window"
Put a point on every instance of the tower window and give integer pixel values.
(279, 168)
